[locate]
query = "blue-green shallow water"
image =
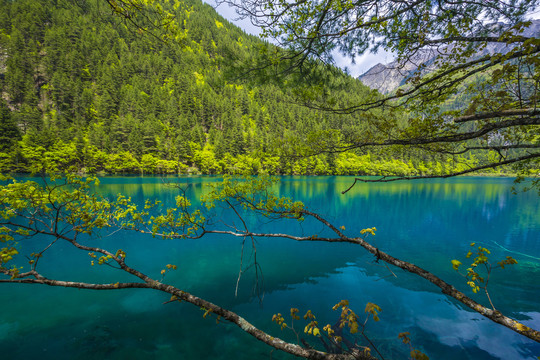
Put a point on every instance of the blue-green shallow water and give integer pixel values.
(427, 223)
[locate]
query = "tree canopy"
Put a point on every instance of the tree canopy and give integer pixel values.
(477, 95)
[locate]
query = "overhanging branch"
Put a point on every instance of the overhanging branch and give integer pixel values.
(454, 174)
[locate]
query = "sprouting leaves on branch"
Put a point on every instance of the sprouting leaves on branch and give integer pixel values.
(253, 194)
(151, 17)
(332, 336)
(481, 263)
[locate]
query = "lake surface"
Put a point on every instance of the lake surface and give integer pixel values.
(428, 223)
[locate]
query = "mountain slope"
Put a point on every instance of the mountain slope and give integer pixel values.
(72, 72)
(81, 90)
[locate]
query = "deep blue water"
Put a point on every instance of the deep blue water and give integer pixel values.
(428, 223)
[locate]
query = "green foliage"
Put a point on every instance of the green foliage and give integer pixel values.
(253, 194)
(475, 279)
(71, 201)
(75, 206)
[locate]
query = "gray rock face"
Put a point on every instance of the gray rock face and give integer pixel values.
(387, 78)
(3, 59)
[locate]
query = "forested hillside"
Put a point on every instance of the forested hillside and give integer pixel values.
(81, 88)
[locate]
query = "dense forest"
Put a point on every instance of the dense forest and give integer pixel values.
(82, 89)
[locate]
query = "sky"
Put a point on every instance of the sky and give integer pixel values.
(362, 63)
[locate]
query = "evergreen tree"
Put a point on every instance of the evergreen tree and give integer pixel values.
(9, 132)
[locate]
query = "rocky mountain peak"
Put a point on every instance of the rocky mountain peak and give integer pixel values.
(387, 78)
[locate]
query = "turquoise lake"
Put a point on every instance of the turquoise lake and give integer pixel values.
(428, 223)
